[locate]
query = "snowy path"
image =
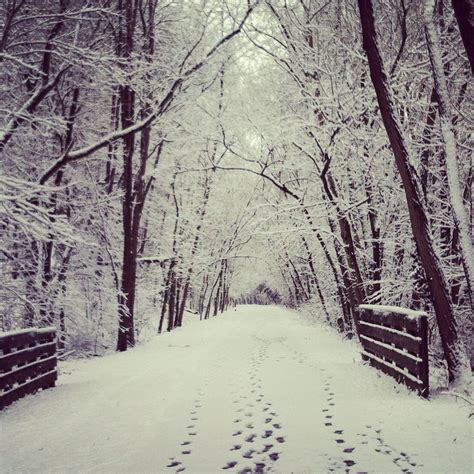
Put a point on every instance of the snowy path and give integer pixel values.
(255, 389)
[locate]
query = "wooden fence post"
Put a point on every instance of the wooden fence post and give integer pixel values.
(424, 373)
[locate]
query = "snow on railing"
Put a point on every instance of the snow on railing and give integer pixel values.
(392, 309)
(28, 361)
(395, 341)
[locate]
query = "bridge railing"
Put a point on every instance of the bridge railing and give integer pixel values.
(395, 341)
(28, 362)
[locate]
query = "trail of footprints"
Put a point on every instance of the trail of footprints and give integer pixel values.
(258, 451)
(256, 459)
(247, 447)
(401, 459)
(329, 423)
(186, 445)
(328, 412)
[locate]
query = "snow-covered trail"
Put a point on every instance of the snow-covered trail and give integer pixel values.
(256, 389)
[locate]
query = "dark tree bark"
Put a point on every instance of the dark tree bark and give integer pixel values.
(126, 333)
(451, 343)
(202, 214)
(464, 12)
(376, 265)
(135, 187)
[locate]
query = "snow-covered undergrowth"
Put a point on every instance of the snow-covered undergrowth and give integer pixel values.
(258, 388)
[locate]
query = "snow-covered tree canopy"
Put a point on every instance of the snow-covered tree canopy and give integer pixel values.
(164, 158)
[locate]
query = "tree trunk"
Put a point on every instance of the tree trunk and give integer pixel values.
(452, 346)
(126, 334)
(445, 118)
(464, 12)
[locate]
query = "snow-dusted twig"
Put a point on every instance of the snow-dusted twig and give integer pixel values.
(459, 395)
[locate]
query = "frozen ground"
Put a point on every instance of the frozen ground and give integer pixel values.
(257, 388)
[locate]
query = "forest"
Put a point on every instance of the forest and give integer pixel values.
(168, 159)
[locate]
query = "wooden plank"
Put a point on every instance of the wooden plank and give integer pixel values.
(400, 378)
(400, 340)
(400, 359)
(396, 321)
(24, 356)
(13, 342)
(32, 370)
(41, 382)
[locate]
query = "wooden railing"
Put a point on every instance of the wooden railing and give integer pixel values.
(27, 363)
(395, 340)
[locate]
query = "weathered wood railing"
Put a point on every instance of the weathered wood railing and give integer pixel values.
(28, 362)
(395, 340)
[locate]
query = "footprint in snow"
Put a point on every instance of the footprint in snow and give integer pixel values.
(249, 454)
(245, 470)
(267, 448)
